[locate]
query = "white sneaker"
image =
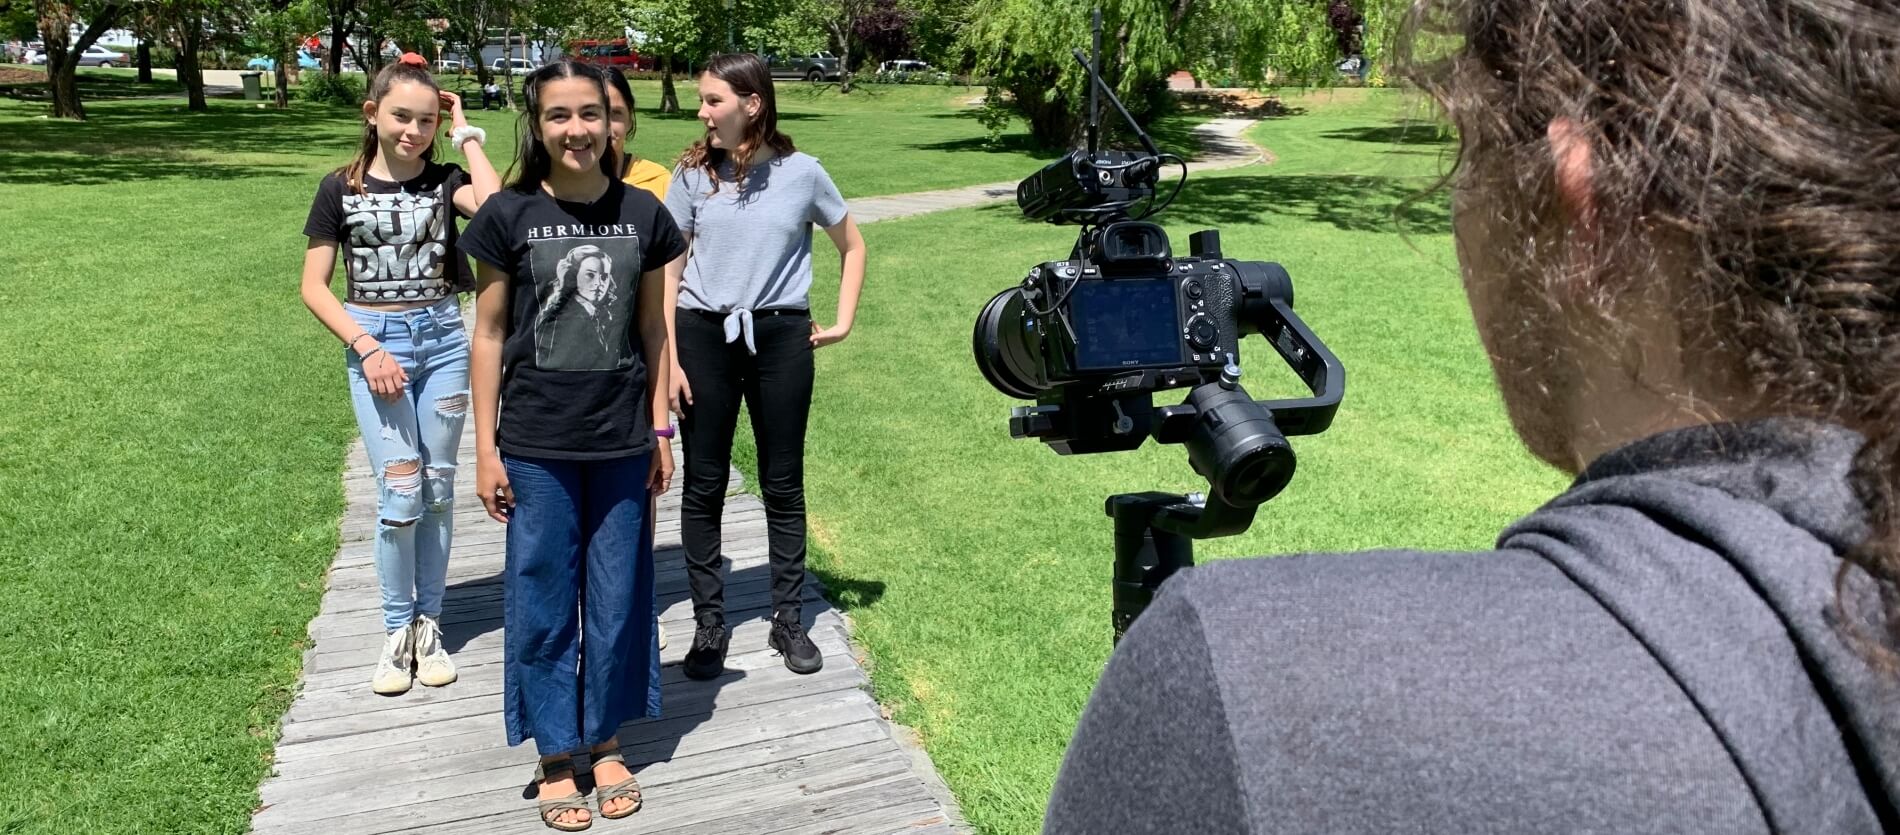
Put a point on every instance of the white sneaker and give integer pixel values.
(662, 628)
(433, 666)
(392, 667)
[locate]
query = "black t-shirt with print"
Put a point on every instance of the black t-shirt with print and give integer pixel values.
(573, 370)
(397, 238)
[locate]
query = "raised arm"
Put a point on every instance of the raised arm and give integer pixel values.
(483, 181)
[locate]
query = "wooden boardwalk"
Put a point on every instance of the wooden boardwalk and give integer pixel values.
(758, 750)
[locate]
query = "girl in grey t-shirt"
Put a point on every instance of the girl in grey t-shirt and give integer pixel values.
(746, 201)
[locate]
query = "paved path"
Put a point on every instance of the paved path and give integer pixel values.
(757, 750)
(1223, 145)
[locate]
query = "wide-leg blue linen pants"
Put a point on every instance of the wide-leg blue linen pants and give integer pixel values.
(580, 654)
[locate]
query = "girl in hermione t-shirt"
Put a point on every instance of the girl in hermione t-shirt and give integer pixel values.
(391, 212)
(568, 371)
(746, 201)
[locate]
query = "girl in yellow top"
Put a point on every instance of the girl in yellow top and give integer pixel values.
(639, 173)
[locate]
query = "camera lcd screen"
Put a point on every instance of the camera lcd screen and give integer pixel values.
(1125, 323)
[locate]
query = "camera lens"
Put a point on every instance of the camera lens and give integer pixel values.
(1002, 347)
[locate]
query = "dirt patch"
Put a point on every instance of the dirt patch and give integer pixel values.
(1231, 102)
(18, 75)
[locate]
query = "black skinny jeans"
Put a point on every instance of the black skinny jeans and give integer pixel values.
(776, 386)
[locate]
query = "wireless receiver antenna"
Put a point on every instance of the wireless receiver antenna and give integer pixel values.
(1095, 93)
(1099, 84)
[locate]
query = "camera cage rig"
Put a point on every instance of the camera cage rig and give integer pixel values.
(1234, 441)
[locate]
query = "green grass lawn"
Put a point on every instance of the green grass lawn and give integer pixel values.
(174, 425)
(976, 567)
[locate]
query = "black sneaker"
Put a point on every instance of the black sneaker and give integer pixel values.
(788, 637)
(707, 658)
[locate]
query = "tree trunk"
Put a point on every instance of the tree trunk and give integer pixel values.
(62, 61)
(145, 61)
(339, 34)
(284, 63)
(508, 65)
(371, 55)
(1053, 123)
(669, 98)
(190, 70)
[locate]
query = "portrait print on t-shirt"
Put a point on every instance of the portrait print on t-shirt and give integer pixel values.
(585, 287)
(397, 248)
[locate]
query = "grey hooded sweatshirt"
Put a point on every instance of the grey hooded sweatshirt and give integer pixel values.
(1654, 651)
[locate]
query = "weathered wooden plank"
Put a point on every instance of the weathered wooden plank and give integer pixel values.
(488, 561)
(686, 699)
(880, 808)
(364, 632)
(729, 740)
(684, 803)
(838, 723)
(415, 712)
(758, 749)
(485, 680)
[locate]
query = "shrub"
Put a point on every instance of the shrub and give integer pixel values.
(343, 88)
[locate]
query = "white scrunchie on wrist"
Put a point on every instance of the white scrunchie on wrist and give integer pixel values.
(466, 133)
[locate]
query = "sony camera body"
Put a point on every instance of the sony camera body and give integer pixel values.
(1127, 315)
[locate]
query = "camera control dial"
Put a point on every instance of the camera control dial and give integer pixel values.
(1202, 333)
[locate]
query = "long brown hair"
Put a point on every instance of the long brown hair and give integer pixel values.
(1754, 143)
(391, 75)
(748, 76)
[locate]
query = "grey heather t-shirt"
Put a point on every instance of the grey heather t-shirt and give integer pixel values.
(751, 247)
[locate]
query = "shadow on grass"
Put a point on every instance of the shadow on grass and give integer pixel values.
(1345, 202)
(1172, 135)
(104, 169)
(160, 140)
(1402, 133)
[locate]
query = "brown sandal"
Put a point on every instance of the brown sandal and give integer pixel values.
(573, 802)
(628, 788)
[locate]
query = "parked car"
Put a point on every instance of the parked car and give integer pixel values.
(448, 65)
(903, 65)
(816, 66)
(520, 66)
(304, 62)
(613, 53)
(98, 56)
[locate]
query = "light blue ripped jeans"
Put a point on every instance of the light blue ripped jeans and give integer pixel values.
(416, 435)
